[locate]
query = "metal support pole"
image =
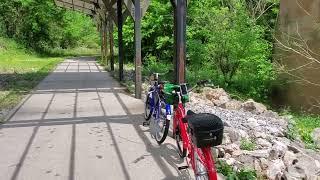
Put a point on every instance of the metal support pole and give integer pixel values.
(111, 45)
(180, 40)
(120, 41)
(137, 36)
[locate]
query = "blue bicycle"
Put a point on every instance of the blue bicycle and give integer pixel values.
(156, 107)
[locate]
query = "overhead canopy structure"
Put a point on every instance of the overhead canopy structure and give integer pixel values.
(106, 13)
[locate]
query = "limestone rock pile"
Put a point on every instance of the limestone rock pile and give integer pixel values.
(274, 156)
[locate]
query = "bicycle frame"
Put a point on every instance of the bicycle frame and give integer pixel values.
(204, 153)
(155, 103)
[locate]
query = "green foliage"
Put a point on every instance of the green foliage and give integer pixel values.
(301, 127)
(20, 71)
(243, 174)
(41, 25)
(231, 47)
(292, 131)
(305, 125)
(247, 144)
(227, 42)
(157, 33)
(153, 65)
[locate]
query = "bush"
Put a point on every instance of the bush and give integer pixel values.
(243, 174)
(41, 25)
(153, 65)
(247, 144)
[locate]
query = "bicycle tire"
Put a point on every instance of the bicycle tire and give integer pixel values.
(147, 115)
(165, 133)
(208, 168)
(182, 152)
(204, 174)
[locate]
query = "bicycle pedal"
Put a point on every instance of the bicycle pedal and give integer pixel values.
(183, 167)
(147, 123)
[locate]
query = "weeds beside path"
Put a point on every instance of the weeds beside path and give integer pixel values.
(20, 72)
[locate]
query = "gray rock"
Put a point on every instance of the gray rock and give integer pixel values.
(237, 153)
(310, 166)
(231, 105)
(262, 153)
(290, 158)
(276, 131)
(252, 123)
(271, 114)
(230, 148)
(220, 152)
(227, 155)
(278, 150)
(263, 143)
(264, 163)
(226, 139)
(295, 147)
(218, 96)
(257, 166)
(275, 169)
(254, 107)
(233, 134)
(247, 161)
(260, 135)
(243, 134)
(316, 136)
(295, 173)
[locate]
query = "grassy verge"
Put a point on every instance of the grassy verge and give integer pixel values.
(302, 126)
(20, 71)
(242, 174)
(79, 51)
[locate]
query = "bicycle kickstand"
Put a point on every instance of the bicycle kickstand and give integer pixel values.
(183, 167)
(146, 123)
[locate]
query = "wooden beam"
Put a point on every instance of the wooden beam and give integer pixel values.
(111, 45)
(106, 42)
(111, 10)
(101, 40)
(137, 40)
(130, 7)
(120, 40)
(78, 3)
(180, 18)
(144, 7)
(73, 7)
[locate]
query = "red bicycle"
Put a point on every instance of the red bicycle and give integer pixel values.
(195, 134)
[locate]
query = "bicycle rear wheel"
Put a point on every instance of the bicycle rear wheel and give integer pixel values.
(182, 152)
(204, 164)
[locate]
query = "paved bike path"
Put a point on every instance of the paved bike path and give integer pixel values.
(79, 124)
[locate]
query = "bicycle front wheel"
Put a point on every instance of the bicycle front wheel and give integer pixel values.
(148, 107)
(162, 125)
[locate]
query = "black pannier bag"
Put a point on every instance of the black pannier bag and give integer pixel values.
(205, 129)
